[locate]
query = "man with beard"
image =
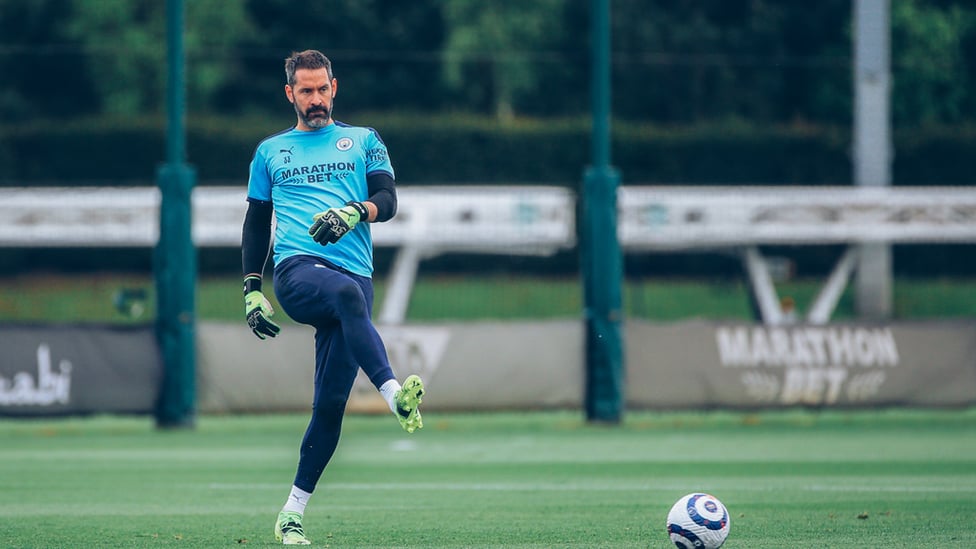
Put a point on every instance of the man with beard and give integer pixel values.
(323, 182)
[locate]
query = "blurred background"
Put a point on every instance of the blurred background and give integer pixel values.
(715, 92)
(487, 111)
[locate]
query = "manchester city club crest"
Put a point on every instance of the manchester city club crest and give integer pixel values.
(344, 144)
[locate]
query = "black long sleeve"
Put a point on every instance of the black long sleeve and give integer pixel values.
(256, 236)
(382, 193)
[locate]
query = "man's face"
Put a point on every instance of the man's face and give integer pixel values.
(312, 97)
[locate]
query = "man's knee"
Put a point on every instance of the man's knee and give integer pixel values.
(350, 300)
(330, 405)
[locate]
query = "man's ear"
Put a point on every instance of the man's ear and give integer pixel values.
(290, 94)
(335, 87)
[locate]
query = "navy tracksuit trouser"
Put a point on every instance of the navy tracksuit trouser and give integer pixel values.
(338, 304)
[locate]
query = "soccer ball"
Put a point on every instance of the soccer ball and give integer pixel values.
(698, 521)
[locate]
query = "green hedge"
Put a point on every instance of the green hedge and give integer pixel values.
(462, 149)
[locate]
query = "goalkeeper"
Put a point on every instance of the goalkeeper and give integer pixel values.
(323, 182)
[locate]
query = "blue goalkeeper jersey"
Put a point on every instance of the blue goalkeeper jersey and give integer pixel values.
(303, 173)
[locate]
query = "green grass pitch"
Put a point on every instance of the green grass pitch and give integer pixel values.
(888, 478)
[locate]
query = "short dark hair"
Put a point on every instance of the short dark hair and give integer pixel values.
(308, 59)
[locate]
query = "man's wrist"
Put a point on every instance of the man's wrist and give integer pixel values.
(252, 283)
(360, 208)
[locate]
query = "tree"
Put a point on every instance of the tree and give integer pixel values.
(44, 72)
(674, 62)
(765, 61)
(125, 41)
(385, 53)
(931, 80)
(503, 41)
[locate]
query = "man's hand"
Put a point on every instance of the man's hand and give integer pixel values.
(332, 224)
(258, 310)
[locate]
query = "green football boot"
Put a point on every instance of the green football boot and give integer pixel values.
(407, 401)
(288, 529)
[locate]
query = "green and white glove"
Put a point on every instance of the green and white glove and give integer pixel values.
(332, 224)
(258, 311)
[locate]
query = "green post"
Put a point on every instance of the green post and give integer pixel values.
(601, 259)
(175, 262)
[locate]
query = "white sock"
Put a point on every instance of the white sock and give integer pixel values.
(389, 390)
(297, 500)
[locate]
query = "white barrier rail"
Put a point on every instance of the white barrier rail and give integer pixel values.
(530, 220)
(430, 221)
(537, 221)
(743, 218)
(682, 218)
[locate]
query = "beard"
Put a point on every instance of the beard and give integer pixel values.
(315, 117)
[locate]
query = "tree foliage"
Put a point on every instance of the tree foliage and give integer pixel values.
(43, 72)
(931, 78)
(125, 43)
(490, 39)
(385, 53)
(674, 62)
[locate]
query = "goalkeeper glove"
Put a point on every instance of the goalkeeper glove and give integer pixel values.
(258, 311)
(332, 224)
